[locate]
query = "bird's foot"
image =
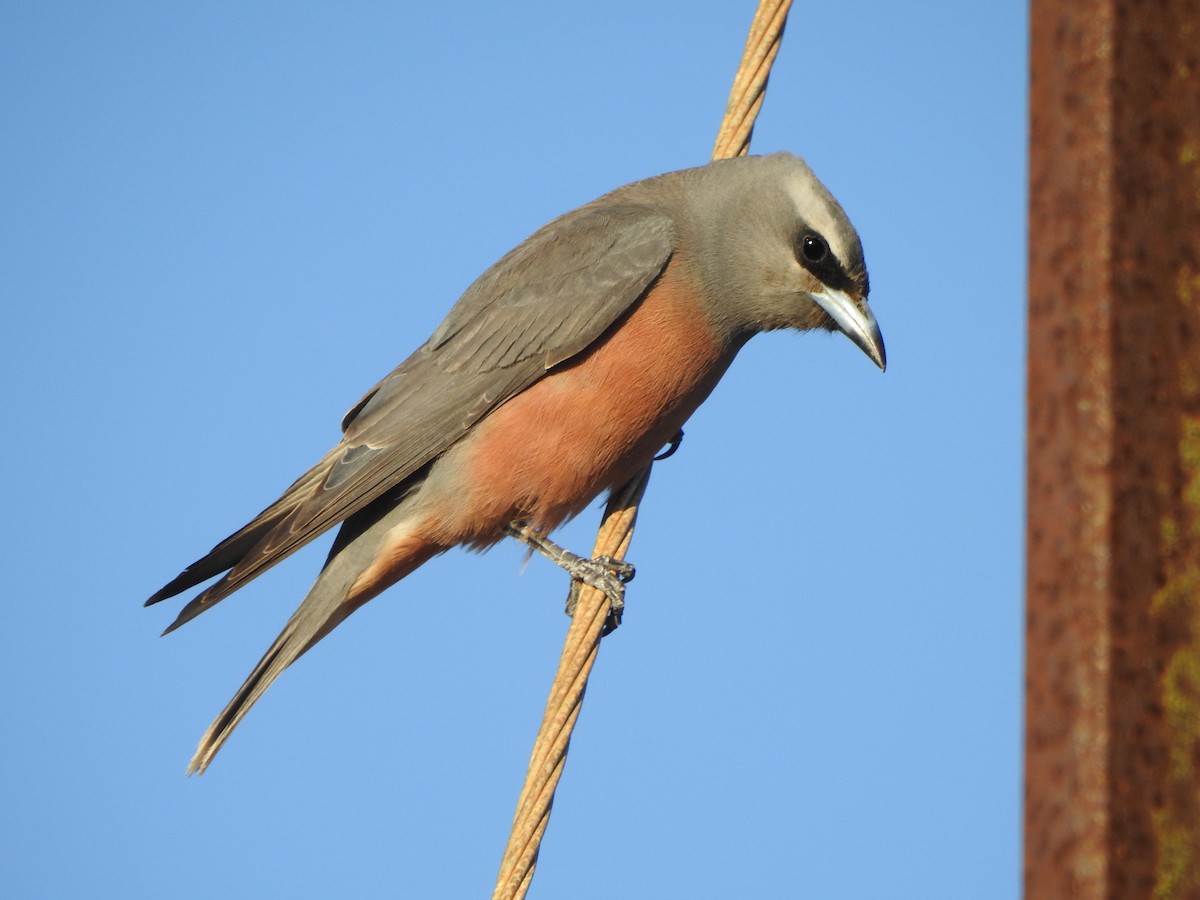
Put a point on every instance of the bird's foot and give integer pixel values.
(607, 575)
(671, 447)
(604, 573)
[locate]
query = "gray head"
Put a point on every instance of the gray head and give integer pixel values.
(774, 249)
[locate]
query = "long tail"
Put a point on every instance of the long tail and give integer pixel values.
(352, 575)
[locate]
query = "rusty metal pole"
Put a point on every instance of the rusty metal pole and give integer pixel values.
(1112, 784)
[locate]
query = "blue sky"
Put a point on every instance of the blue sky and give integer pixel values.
(223, 222)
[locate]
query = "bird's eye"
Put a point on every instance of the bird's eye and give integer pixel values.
(813, 248)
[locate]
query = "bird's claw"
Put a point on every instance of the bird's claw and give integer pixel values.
(623, 571)
(671, 447)
(607, 575)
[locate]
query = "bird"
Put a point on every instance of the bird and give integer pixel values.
(555, 377)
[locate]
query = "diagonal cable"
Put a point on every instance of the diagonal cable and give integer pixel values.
(592, 606)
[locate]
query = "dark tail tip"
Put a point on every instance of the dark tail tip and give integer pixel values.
(176, 585)
(156, 597)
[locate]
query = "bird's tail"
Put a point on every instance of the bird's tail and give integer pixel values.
(352, 575)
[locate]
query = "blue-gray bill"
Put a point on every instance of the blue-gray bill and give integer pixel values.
(856, 321)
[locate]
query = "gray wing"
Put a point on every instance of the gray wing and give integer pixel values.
(541, 304)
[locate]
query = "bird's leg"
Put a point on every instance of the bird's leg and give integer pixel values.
(603, 573)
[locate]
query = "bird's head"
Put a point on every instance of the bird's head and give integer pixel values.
(778, 251)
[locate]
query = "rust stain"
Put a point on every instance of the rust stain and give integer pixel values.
(1113, 624)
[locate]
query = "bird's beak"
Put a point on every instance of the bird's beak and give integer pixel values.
(855, 320)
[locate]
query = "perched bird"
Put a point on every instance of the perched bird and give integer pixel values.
(556, 376)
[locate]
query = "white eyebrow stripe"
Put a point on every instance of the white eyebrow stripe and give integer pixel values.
(820, 213)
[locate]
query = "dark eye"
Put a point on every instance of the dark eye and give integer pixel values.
(813, 248)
